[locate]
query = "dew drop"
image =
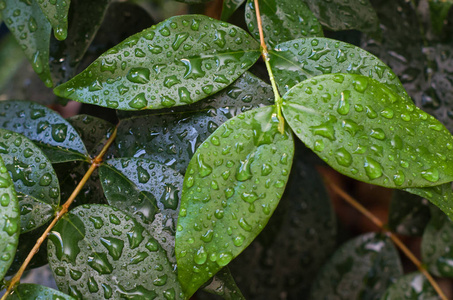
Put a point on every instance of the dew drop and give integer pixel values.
(372, 168)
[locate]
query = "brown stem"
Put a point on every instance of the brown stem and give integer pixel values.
(64, 209)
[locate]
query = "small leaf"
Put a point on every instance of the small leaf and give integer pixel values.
(53, 134)
(361, 268)
(364, 130)
(9, 221)
(229, 7)
(223, 285)
(283, 20)
(56, 12)
(236, 179)
(411, 286)
(36, 291)
(104, 249)
(28, 24)
(295, 61)
(438, 11)
(439, 195)
(176, 62)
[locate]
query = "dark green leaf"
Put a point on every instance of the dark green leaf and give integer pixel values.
(34, 179)
(232, 185)
(357, 125)
(111, 255)
(295, 61)
(172, 139)
(36, 291)
(361, 268)
(223, 285)
(9, 221)
(11, 58)
(229, 7)
(409, 287)
(438, 10)
(53, 134)
(29, 25)
(440, 195)
(283, 20)
(56, 12)
(177, 62)
(193, 1)
(408, 213)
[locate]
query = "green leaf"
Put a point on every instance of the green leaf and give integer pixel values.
(283, 20)
(172, 139)
(357, 125)
(438, 11)
(9, 221)
(345, 15)
(232, 185)
(53, 134)
(28, 24)
(295, 61)
(36, 291)
(223, 285)
(105, 249)
(408, 214)
(34, 179)
(229, 7)
(11, 58)
(411, 286)
(176, 62)
(440, 195)
(56, 12)
(361, 268)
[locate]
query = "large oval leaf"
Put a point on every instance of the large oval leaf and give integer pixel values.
(411, 286)
(34, 179)
(176, 62)
(9, 220)
(232, 185)
(53, 134)
(357, 125)
(110, 255)
(36, 291)
(283, 20)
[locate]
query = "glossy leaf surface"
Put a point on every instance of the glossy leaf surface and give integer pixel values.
(103, 248)
(283, 20)
(34, 179)
(439, 195)
(53, 134)
(295, 61)
(229, 7)
(364, 130)
(176, 62)
(411, 286)
(9, 220)
(232, 185)
(172, 139)
(361, 268)
(223, 285)
(28, 24)
(56, 12)
(36, 291)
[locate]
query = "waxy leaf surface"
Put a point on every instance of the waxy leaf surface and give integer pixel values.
(56, 12)
(104, 249)
(176, 62)
(34, 179)
(411, 286)
(31, 29)
(231, 187)
(9, 220)
(36, 291)
(53, 134)
(283, 20)
(229, 7)
(366, 131)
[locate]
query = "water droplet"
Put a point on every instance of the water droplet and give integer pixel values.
(387, 113)
(378, 134)
(319, 145)
(372, 168)
(99, 262)
(249, 197)
(5, 199)
(139, 101)
(399, 178)
(143, 175)
(203, 168)
(11, 226)
(59, 132)
(224, 259)
(343, 104)
(343, 157)
(431, 175)
(114, 246)
(244, 225)
(45, 179)
(207, 237)
(360, 84)
(138, 75)
(201, 256)
(239, 240)
(325, 130)
(244, 173)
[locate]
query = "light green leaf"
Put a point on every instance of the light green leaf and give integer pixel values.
(28, 24)
(53, 134)
(411, 286)
(439, 195)
(105, 249)
(9, 220)
(366, 131)
(36, 291)
(56, 12)
(176, 62)
(283, 20)
(232, 185)
(34, 179)
(229, 7)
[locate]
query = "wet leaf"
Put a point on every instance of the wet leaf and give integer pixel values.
(438, 10)
(9, 220)
(409, 214)
(361, 268)
(34, 179)
(110, 254)
(295, 61)
(176, 62)
(56, 12)
(232, 185)
(357, 125)
(11, 58)
(283, 20)
(223, 285)
(411, 286)
(439, 195)
(229, 7)
(53, 134)
(31, 29)
(172, 139)
(36, 291)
